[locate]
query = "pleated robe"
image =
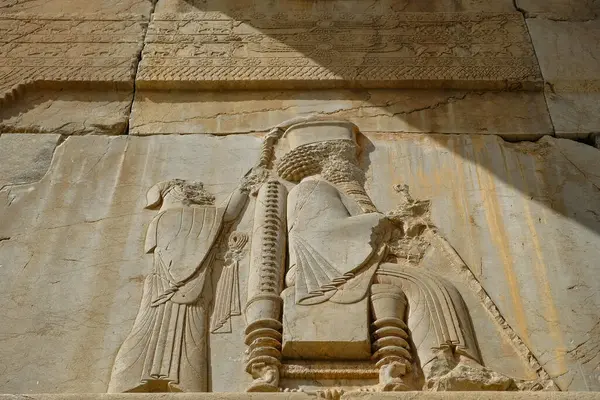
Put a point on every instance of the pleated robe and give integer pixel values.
(167, 347)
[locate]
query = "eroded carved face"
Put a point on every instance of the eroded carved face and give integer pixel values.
(188, 192)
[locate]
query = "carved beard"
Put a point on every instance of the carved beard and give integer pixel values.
(349, 179)
(336, 162)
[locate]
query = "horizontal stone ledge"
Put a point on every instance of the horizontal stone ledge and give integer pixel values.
(158, 79)
(304, 396)
(513, 115)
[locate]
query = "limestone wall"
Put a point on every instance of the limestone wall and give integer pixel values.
(477, 121)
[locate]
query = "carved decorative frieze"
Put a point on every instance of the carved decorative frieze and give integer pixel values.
(44, 51)
(316, 49)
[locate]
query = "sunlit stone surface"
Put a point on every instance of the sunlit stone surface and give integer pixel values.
(299, 199)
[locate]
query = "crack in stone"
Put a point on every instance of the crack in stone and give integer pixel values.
(577, 167)
(541, 15)
(137, 67)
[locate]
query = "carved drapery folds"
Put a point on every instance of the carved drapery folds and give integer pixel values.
(339, 294)
(166, 349)
(356, 296)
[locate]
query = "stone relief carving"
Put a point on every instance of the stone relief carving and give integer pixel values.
(94, 48)
(263, 309)
(339, 295)
(167, 347)
(227, 303)
(353, 267)
(377, 49)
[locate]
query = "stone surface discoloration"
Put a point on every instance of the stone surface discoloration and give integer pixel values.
(509, 216)
(73, 260)
(567, 53)
(320, 199)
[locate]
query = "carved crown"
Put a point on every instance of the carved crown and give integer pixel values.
(320, 131)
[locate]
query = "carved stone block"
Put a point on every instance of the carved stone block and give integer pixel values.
(325, 331)
(68, 74)
(568, 56)
(307, 48)
(513, 115)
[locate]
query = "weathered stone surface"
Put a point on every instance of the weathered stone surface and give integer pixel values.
(25, 158)
(560, 10)
(45, 53)
(567, 52)
(73, 260)
(140, 7)
(249, 7)
(513, 115)
(316, 197)
(502, 212)
(303, 396)
(313, 333)
(68, 112)
(314, 48)
(77, 48)
(574, 115)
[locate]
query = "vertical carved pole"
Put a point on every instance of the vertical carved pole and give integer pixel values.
(267, 268)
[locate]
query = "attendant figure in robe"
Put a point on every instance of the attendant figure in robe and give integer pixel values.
(167, 348)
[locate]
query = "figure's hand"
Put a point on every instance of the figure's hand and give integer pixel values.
(253, 180)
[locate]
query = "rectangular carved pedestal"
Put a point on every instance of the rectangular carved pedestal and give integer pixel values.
(325, 331)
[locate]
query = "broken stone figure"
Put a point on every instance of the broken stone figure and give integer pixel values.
(342, 300)
(167, 347)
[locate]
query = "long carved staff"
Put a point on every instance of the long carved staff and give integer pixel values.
(267, 270)
(227, 299)
(265, 283)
